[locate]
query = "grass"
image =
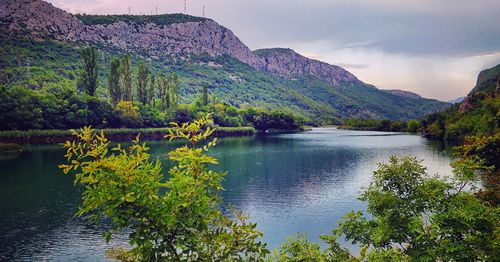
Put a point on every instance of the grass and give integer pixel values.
(116, 134)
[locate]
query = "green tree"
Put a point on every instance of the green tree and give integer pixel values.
(176, 219)
(142, 82)
(88, 75)
(126, 78)
(128, 114)
(205, 96)
(173, 83)
(413, 126)
(414, 216)
(152, 89)
(163, 89)
(115, 91)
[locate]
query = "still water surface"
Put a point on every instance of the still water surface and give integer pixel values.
(286, 183)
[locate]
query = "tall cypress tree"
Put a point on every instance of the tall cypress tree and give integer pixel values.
(173, 86)
(163, 92)
(126, 71)
(115, 91)
(152, 89)
(142, 82)
(205, 96)
(88, 76)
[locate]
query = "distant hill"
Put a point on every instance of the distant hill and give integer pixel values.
(403, 93)
(456, 100)
(202, 52)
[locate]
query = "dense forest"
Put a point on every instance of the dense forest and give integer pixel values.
(137, 96)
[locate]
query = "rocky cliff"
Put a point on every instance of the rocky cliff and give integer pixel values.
(488, 81)
(286, 62)
(38, 18)
(146, 35)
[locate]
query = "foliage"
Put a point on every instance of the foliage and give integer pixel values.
(164, 19)
(177, 219)
(128, 114)
(298, 248)
(51, 108)
(142, 83)
(234, 83)
(173, 88)
(487, 150)
(412, 126)
(482, 118)
(277, 119)
(126, 77)
(88, 75)
(487, 80)
(115, 90)
(413, 217)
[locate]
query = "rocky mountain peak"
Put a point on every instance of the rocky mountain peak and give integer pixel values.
(158, 36)
(286, 62)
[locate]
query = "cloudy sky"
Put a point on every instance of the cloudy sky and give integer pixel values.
(434, 48)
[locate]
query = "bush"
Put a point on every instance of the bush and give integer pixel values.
(128, 115)
(173, 220)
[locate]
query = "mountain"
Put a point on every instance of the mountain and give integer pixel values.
(456, 100)
(286, 62)
(201, 52)
(403, 93)
(476, 115)
(488, 81)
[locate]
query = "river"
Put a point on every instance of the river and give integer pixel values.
(286, 183)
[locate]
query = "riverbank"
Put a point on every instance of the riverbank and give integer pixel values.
(117, 135)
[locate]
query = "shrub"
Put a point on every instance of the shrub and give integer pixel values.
(173, 220)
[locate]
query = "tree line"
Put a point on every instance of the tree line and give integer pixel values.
(150, 87)
(136, 97)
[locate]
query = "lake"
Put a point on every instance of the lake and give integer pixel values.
(286, 183)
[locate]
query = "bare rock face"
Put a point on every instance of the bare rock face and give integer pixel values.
(205, 37)
(287, 62)
(39, 19)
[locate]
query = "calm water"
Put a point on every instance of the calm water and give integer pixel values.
(286, 183)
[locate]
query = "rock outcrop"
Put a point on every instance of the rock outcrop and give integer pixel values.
(39, 18)
(287, 62)
(36, 18)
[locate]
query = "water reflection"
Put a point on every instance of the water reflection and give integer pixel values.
(286, 183)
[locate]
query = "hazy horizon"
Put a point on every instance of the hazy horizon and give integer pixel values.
(435, 49)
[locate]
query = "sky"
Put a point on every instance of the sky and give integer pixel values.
(433, 48)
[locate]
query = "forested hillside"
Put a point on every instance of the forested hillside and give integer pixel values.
(40, 52)
(478, 114)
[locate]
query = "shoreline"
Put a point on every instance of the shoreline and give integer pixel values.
(115, 135)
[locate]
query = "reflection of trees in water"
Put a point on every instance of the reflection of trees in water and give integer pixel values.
(442, 147)
(9, 156)
(277, 170)
(36, 198)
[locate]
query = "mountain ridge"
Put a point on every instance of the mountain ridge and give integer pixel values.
(195, 39)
